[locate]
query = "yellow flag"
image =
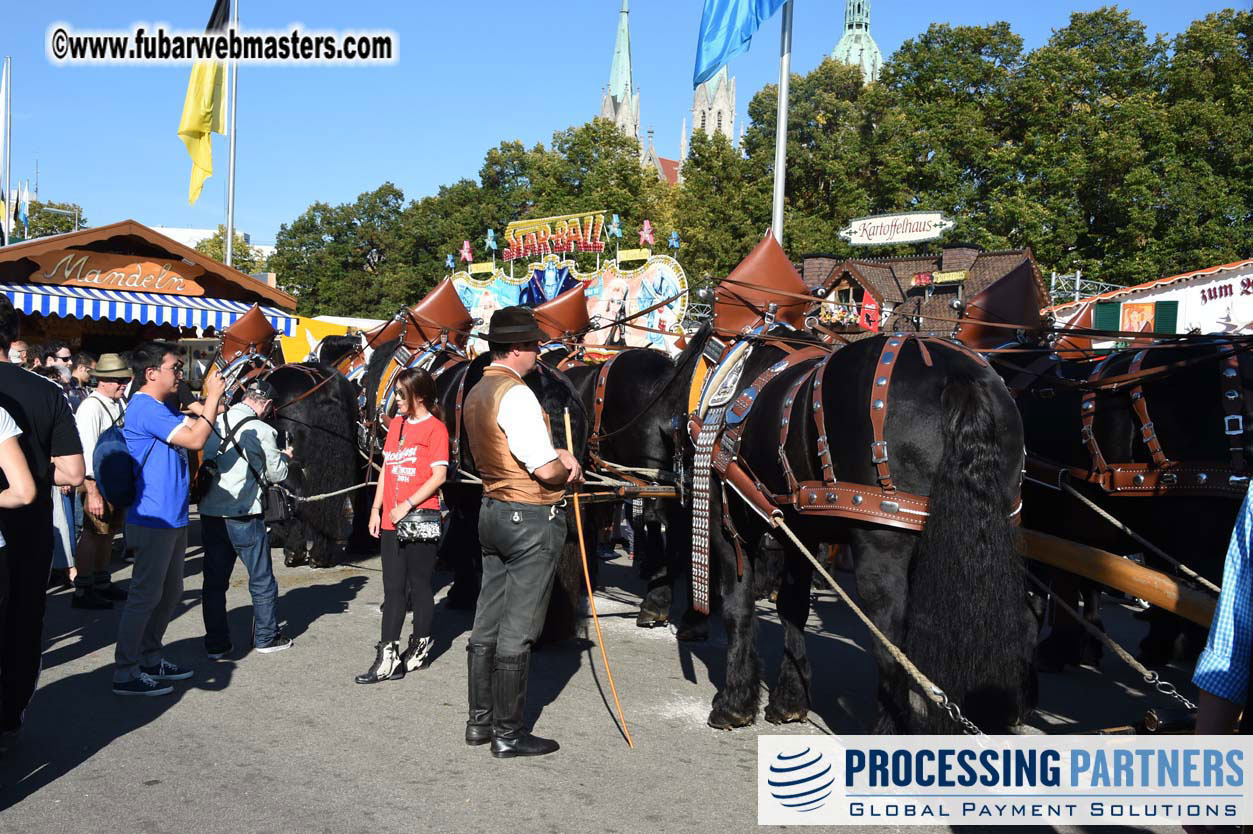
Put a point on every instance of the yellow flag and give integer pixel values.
(203, 114)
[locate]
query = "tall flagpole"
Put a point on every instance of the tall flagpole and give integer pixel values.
(780, 130)
(8, 149)
(228, 244)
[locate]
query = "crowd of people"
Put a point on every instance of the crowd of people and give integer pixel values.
(65, 419)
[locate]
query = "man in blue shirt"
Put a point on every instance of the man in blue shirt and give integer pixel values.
(1222, 670)
(156, 524)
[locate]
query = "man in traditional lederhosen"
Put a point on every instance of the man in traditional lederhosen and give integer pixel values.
(522, 528)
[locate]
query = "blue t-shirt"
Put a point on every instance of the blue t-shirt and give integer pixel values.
(162, 482)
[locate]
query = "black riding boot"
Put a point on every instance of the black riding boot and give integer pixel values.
(509, 737)
(479, 659)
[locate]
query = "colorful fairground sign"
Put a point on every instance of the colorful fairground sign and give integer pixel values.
(648, 300)
(565, 234)
(884, 229)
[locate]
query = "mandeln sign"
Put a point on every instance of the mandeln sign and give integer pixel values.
(909, 227)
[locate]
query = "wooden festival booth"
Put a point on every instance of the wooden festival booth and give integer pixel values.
(109, 287)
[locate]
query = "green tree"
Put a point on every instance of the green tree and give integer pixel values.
(42, 222)
(721, 209)
(950, 86)
(243, 257)
(1205, 215)
(1094, 142)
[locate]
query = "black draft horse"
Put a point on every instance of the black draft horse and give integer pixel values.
(952, 598)
(1186, 408)
(317, 407)
(646, 395)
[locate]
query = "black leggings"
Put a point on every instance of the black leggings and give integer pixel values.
(407, 570)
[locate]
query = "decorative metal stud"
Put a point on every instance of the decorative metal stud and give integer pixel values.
(831, 497)
(877, 405)
(888, 357)
(1232, 395)
(1138, 480)
(1087, 406)
(1229, 373)
(1201, 477)
(894, 343)
(881, 381)
(813, 496)
(857, 499)
(890, 506)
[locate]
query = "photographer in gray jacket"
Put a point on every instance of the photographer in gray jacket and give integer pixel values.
(244, 447)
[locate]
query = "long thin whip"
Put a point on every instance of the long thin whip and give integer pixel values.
(591, 599)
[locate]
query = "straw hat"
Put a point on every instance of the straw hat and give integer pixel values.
(111, 366)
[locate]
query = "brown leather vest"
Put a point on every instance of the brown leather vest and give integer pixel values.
(504, 478)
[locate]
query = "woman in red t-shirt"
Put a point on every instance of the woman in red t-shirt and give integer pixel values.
(415, 463)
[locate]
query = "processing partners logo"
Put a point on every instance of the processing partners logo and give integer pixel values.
(1004, 780)
(801, 781)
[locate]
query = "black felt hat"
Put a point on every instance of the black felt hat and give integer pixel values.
(513, 325)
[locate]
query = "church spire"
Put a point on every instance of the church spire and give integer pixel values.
(856, 46)
(621, 103)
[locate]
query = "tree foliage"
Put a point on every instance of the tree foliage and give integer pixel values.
(42, 222)
(1104, 150)
(243, 256)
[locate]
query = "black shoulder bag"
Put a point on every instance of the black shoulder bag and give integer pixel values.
(417, 525)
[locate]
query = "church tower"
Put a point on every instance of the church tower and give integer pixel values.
(713, 106)
(621, 104)
(856, 47)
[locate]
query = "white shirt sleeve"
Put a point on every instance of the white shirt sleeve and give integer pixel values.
(8, 426)
(522, 420)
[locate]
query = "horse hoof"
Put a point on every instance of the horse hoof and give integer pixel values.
(724, 719)
(321, 565)
(779, 715)
(649, 618)
(692, 633)
(291, 560)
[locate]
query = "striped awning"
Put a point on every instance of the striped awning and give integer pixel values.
(148, 308)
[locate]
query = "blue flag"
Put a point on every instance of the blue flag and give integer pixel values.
(726, 29)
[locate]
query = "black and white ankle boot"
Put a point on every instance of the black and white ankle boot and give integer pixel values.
(387, 664)
(417, 653)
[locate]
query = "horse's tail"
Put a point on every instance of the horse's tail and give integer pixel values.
(966, 627)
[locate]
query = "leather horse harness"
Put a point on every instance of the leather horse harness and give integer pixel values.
(718, 436)
(1160, 475)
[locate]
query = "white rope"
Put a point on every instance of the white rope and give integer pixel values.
(1184, 569)
(304, 499)
(1150, 677)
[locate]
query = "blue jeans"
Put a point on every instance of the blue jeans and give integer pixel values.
(224, 540)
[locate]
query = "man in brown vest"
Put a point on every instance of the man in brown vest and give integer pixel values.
(522, 528)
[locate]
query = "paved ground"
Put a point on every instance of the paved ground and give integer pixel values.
(287, 742)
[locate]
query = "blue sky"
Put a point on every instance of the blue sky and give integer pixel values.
(470, 74)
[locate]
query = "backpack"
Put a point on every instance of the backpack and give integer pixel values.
(114, 468)
(208, 472)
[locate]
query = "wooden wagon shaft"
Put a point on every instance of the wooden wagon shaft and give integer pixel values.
(1121, 574)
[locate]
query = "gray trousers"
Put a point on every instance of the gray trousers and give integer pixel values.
(521, 545)
(155, 589)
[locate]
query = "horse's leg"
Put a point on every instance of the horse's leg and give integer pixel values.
(656, 556)
(881, 563)
(1064, 645)
(462, 548)
(736, 703)
(694, 625)
(295, 552)
(789, 699)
